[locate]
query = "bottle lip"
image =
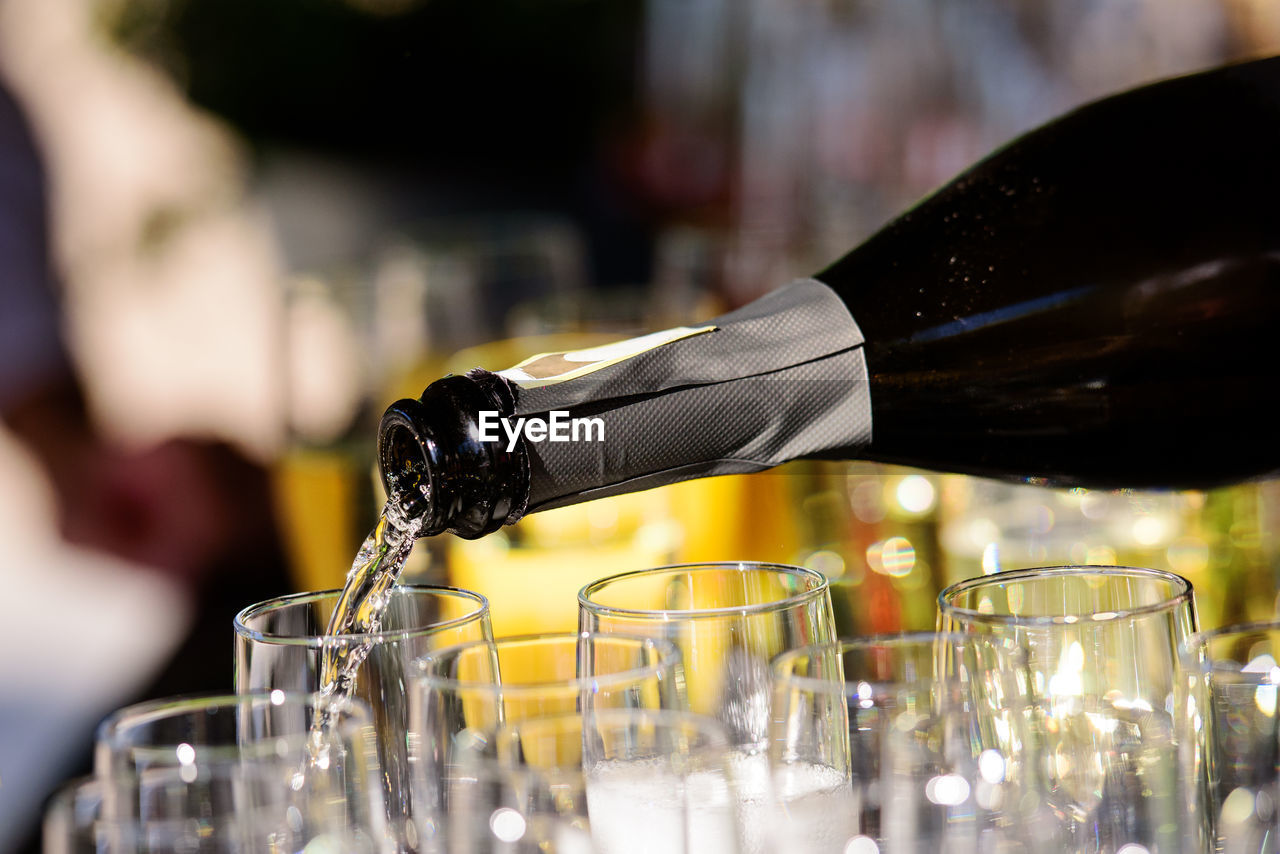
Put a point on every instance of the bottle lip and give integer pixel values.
(403, 447)
(428, 449)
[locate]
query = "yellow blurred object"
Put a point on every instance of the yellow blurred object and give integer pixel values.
(520, 665)
(532, 572)
(543, 742)
(737, 517)
(316, 504)
(535, 590)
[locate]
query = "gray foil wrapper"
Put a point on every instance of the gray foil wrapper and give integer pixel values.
(779, 379)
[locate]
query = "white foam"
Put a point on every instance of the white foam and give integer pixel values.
(646, 808)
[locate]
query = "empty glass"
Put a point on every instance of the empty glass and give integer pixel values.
(74, 824)
(241, 773)
(904, 743)
(1103, 648)
(727, 620)
(462, 696)
(71, 818)
(1234, 684)
(279, 645)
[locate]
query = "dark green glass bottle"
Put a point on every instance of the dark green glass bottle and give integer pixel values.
(1093, 304)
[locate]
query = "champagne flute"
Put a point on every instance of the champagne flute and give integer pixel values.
(74, 824)
(71, 818)
(462, 696)
(903, 743)
(1233, 745)
(281, 643)
(728, 620)
(1103, 646)
(237, 773)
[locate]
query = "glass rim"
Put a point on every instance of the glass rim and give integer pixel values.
(63, 821)
(61, 804)
(1183, 596)
(1199, 641)
(801, 598)
(844, 644)
(72, 785)
(668, 658)
(110, 731)
(318, 641)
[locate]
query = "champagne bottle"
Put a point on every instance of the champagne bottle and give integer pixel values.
(1093, 305)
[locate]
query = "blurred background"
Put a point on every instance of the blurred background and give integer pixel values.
(267, 219)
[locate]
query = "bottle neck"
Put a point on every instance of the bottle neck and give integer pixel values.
(778, 379)
(432, 463)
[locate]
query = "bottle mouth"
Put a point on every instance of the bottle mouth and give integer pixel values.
(438, 473)
(403, 457)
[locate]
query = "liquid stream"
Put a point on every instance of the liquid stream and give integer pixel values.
(359, 611)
